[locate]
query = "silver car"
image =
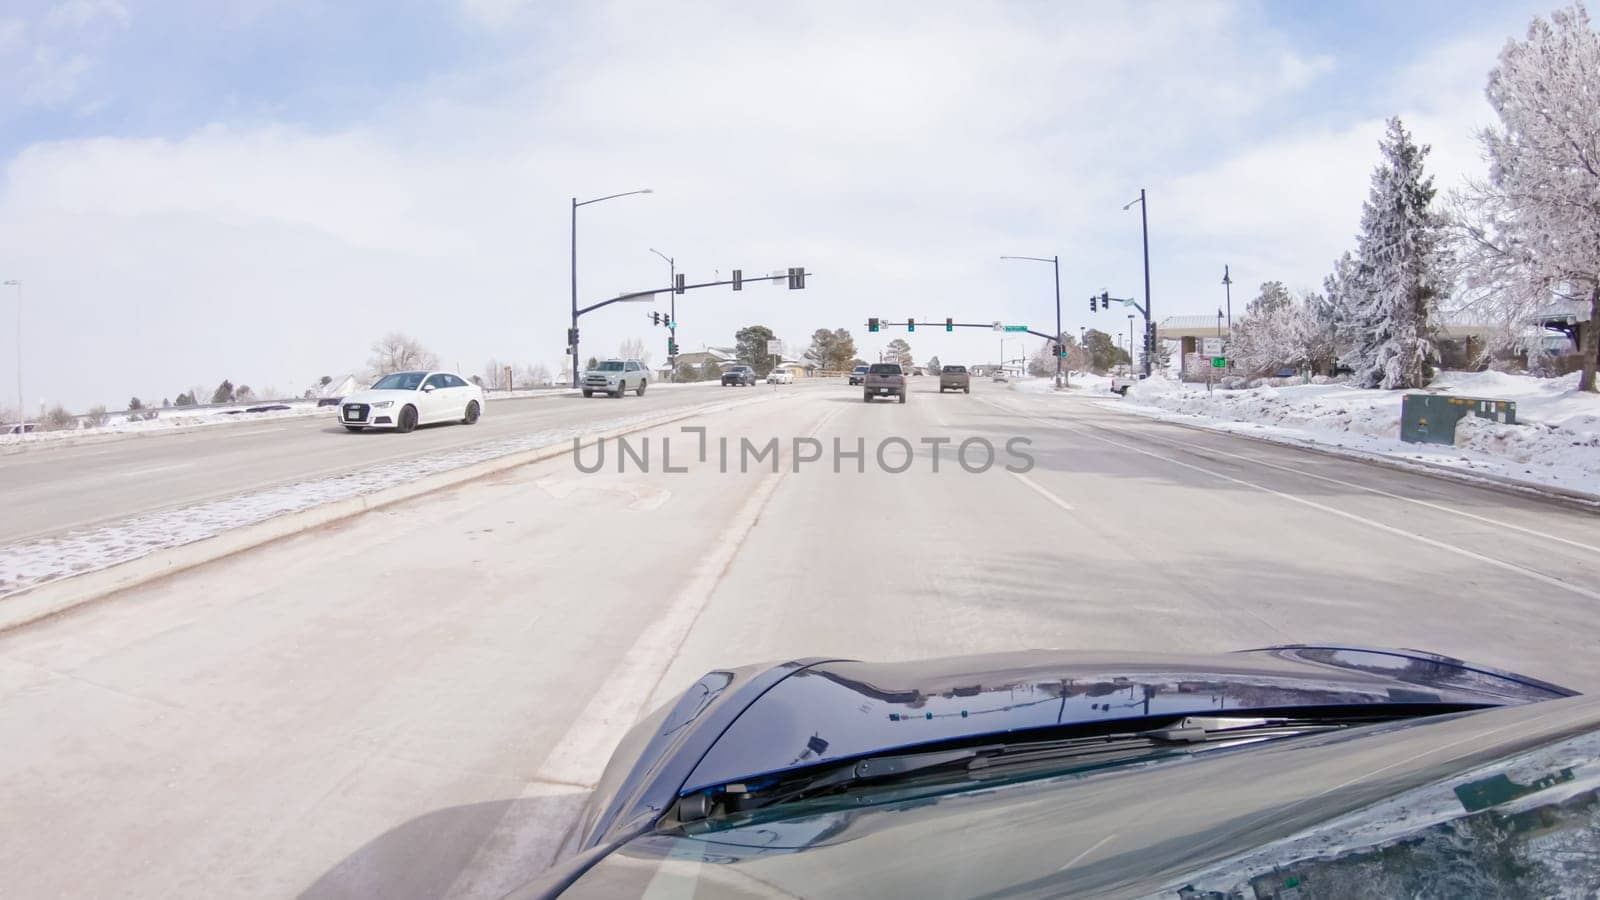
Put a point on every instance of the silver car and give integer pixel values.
(616, 377)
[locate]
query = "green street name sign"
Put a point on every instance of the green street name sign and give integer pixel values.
(1219, 362)
(1016, 328)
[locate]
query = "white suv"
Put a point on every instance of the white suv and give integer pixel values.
(616, 377)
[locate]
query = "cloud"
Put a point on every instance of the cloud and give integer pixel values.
(895, 150)
(79, 14)
(53, 77)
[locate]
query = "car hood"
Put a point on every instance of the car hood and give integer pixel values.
(738, 724)
(371, 396)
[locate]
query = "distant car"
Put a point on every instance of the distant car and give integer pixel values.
(955, 378)
(22, 428)
(1290, 771)
(739, 376)
(884, 380)
(404, 400)
(780, 376)
(616, 377)
(1000, 376)
(858, 375)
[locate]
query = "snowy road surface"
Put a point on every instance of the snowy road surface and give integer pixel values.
(410, 703)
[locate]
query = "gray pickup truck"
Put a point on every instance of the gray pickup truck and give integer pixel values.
(884, 380)
(955, 378)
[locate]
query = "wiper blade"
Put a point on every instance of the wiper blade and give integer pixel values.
(1005, 759)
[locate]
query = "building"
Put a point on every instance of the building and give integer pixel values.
(722, 356)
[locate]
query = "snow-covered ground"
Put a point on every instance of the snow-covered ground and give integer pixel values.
(1076, 381)
(1556, 443)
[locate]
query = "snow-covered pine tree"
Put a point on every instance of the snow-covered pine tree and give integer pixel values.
(1402, 272)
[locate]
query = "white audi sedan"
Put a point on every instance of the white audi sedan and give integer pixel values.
(404, 400)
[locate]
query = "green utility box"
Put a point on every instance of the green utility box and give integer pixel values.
(1432, 418)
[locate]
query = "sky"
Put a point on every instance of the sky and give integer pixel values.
(258, 190)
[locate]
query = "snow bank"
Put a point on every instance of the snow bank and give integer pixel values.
(118, 423)
(1076, 381)
(1556, 443)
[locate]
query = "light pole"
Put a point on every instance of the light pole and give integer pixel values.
(672, 315)
(1144, 229)
(573, 342)
(1227, 288)
(1055, 261)
(21, 414)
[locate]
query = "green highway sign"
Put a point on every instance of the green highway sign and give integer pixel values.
(1016, 328)
(1219, 362)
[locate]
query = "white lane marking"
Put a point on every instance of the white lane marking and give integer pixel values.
(1042, 491)
(254, 431)
(580, 757)
(147, 470)
(1092, 848)
(1370, 523)
(1362, 487)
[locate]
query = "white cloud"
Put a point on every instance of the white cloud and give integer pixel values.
(53, 77)
(78, 14)
(895, 150)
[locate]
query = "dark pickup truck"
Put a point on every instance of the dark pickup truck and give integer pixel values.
(884, 380)
(955, 378)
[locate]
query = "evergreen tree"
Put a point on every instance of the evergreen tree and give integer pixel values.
(1402, 271)
(223, 393)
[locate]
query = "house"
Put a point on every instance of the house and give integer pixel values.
(799, 368)
(722, 356)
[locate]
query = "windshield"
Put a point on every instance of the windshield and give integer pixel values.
(400, 381)
(378, 450)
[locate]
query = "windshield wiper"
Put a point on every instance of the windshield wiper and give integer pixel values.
(1004, 760)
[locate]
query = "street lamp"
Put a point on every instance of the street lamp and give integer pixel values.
(575, 204)
(20, 414)
(1227, 288)
(1055, 261)
(672, 316)
(1144, 228)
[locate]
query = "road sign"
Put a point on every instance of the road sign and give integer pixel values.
(774, 347)
(1211, 346)
(1219, 362)
(1016, 328)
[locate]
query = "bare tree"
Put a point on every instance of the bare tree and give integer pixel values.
(536, 375)
(633, 348)
(397, 352)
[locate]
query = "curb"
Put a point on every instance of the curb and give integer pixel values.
(1580, 500)
(63, 594)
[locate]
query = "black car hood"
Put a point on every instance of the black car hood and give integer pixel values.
(837, 710)
(739, 724)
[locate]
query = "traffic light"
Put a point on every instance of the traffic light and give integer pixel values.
(1094, 303)
(872, 324)
(911, 324)
(738, 279)
(678, 288)
(949, 324)
(1105, 300)
(797, 278)
(672, 347)
(572, 337)
(655, 318)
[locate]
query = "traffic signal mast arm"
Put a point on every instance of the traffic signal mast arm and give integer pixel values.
(688, 287)
(884, 323)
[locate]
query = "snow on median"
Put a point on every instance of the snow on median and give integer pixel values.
(28, 564)
(1557, 443)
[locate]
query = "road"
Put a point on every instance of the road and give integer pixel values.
(52, 489)
(410, 703)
